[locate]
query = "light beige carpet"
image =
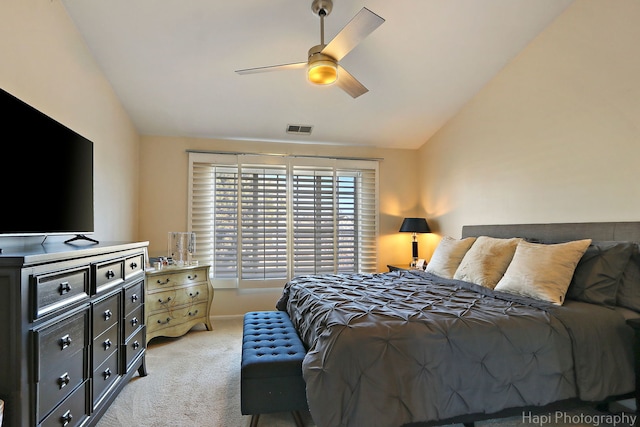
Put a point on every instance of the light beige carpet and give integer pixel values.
(194, 381)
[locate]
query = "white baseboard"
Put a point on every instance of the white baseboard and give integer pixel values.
(227, 317)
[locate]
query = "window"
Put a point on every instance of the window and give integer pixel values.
(261, 220)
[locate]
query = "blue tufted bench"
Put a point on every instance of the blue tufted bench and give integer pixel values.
(271, 370)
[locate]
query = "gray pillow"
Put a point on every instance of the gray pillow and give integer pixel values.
(599, 271)
(629, 289)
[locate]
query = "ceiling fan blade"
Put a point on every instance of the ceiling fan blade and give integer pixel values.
(349, 84)
(353, 33)
(291, 66)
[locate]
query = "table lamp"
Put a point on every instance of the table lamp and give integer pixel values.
(415, 225)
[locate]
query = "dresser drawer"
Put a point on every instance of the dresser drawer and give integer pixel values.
(133, 265)
(54, 291)
(104, 376)
(133, 297)
(167, 300)
(72, 412)
(108, 275)
(180, 277)
(105, 344)
(133, 321)
(133, 347)
(61, 340)
(59, 380)
(106, 314)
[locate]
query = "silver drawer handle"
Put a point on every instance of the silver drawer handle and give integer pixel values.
(65, 342)
(106, 374)
(135, 345)
(107, 314)
(64, 380)
(134, 321)
(66, 418)
(107, 344)
(64, 288)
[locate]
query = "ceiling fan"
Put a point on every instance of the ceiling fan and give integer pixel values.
(323, 64)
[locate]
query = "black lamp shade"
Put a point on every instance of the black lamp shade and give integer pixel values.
(415, 225)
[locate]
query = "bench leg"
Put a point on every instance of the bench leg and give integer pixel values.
(254, 420)
(298, 418)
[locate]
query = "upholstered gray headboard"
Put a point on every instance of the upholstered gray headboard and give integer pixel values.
(559, 232)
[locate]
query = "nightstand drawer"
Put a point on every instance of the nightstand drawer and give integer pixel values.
(174, 298)
(168, 279)
(180, 315)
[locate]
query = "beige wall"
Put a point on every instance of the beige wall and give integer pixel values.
(555, 137)
(44, 62)
(164, 170)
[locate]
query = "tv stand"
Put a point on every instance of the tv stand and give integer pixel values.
(81, 237)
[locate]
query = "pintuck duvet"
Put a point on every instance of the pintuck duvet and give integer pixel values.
(403, 347)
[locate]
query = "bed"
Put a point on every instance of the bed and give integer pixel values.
(413, 348)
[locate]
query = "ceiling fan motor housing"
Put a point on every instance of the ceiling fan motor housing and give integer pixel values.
(322, 7)
(322, 69)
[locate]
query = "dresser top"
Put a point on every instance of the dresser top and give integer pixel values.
(49, 252)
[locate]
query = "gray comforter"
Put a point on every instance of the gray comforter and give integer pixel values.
(394, 348)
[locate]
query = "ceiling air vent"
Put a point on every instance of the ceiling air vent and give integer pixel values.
(299, 129)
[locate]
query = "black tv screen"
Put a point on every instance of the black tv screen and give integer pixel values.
(47, 185)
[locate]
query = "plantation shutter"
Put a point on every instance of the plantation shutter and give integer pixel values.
(214, 215)
(264, 223)
(314, 239)
(261, 220)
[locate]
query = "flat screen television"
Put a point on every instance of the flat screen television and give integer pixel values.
(47, 174)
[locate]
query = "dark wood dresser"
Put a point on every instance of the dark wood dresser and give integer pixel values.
(72, 330)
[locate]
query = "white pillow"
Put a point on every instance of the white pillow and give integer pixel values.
(447, 256)
(541, 271)
(485, 263)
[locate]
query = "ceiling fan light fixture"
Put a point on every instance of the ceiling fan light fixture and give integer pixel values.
(323, 72)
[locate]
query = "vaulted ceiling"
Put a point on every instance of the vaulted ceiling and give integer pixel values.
(172, 63)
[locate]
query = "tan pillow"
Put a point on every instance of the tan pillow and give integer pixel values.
(487, 260)
(543, 272)
(447, 256)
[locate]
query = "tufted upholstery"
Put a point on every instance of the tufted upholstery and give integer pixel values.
(271, 369)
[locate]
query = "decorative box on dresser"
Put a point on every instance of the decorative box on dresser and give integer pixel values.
(177, 299)
(72, 332)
